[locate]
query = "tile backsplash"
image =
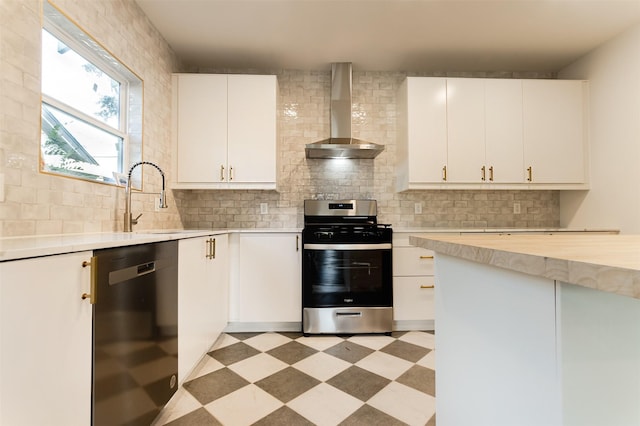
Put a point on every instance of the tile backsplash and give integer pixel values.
(37, 204)
(440, 209)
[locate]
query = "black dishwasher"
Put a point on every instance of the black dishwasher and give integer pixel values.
(135, 333)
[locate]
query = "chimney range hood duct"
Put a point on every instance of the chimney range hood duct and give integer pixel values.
(341, 144)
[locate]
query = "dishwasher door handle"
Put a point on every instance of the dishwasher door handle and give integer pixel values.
(131, 272)
(146, 268)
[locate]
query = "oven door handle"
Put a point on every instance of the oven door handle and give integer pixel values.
(348, 314)
(383, 246)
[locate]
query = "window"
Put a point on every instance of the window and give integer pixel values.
(91, 106)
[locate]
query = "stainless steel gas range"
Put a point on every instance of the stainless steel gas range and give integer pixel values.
(347, 283)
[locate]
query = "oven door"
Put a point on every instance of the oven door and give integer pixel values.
(335, 275)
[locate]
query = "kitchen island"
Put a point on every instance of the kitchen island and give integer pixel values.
(536, 329)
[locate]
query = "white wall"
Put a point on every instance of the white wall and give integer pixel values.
(614, 199)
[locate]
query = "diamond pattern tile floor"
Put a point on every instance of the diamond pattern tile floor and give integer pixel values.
(289, 379)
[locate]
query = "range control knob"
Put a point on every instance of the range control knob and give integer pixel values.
(371, 233)
(324, 235)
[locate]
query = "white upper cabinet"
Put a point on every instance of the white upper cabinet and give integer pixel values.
(503, 131)
(225, 131)
(201, 127)
(466, 130)
(491, 133)
(554, 131)
(422, 126)
(252, 129)
(484, 120)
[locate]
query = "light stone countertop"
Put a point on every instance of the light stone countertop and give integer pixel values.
(15, 248)
(604, 262)
(503, 230)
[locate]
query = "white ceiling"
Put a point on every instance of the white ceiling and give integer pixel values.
(389, 35)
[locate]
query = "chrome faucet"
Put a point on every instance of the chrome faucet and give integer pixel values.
(129, 221)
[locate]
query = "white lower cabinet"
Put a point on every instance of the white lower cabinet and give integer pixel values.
(45, 341)
(203, 297)
(413, 286)
(266, 285)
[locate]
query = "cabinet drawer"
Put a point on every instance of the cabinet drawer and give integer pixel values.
(412, 261)
(411, 301)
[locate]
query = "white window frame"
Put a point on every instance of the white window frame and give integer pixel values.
(69, 33)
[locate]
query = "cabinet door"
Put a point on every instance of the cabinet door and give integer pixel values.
(202, 298)
(503, 131)
(219, 271)
(201, 104)
(252, 128)
(554, 135)
(465, 126)
(45, 330)
(426, 129)
(270, 288)
(413, 298)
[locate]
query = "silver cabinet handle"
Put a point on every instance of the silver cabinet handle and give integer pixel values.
(221, 172)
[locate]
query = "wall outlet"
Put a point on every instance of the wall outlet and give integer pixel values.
(264, 208)
(516, 208)
(417, 208)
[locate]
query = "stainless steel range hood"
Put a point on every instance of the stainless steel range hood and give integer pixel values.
(341, 144)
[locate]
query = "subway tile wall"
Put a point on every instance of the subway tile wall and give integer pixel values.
(304, 118)
(38, 204)
(35, 203)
